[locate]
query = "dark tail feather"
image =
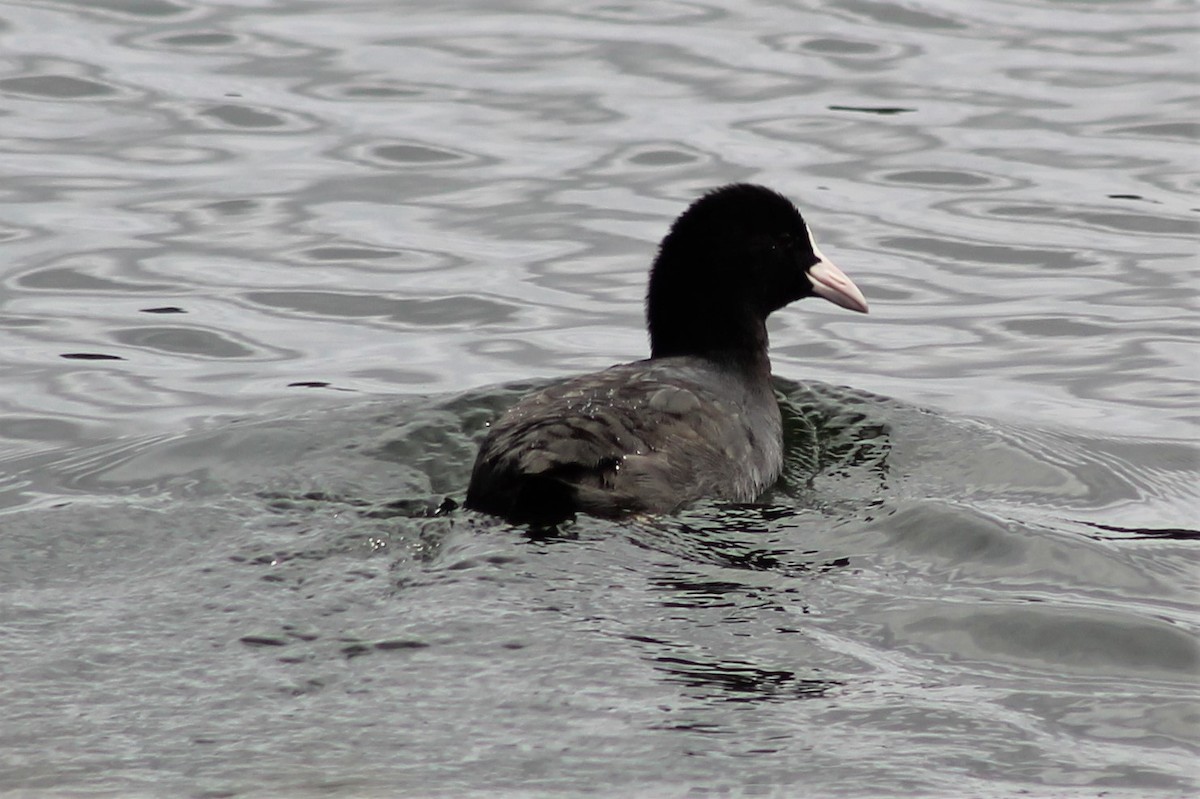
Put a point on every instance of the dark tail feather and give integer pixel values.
(526, 499)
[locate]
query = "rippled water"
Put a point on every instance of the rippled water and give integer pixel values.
(266, 265)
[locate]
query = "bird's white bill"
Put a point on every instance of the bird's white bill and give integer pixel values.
(831, 283)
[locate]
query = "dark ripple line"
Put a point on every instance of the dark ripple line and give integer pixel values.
(1170, 533)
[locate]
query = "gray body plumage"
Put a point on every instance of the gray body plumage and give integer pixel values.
(647, 436)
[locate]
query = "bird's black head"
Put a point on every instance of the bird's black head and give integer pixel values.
(734, 256)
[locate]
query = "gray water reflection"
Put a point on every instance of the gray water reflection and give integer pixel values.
(223, 573)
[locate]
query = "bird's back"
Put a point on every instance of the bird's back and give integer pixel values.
(647, 436)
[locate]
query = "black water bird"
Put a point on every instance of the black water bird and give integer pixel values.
(698, 418)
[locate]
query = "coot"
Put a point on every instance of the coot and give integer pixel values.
(698, 418)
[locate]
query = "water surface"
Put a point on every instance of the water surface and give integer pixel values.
(270, 269)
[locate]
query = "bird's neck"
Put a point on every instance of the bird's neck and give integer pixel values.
(736, 340)
(697, 306)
